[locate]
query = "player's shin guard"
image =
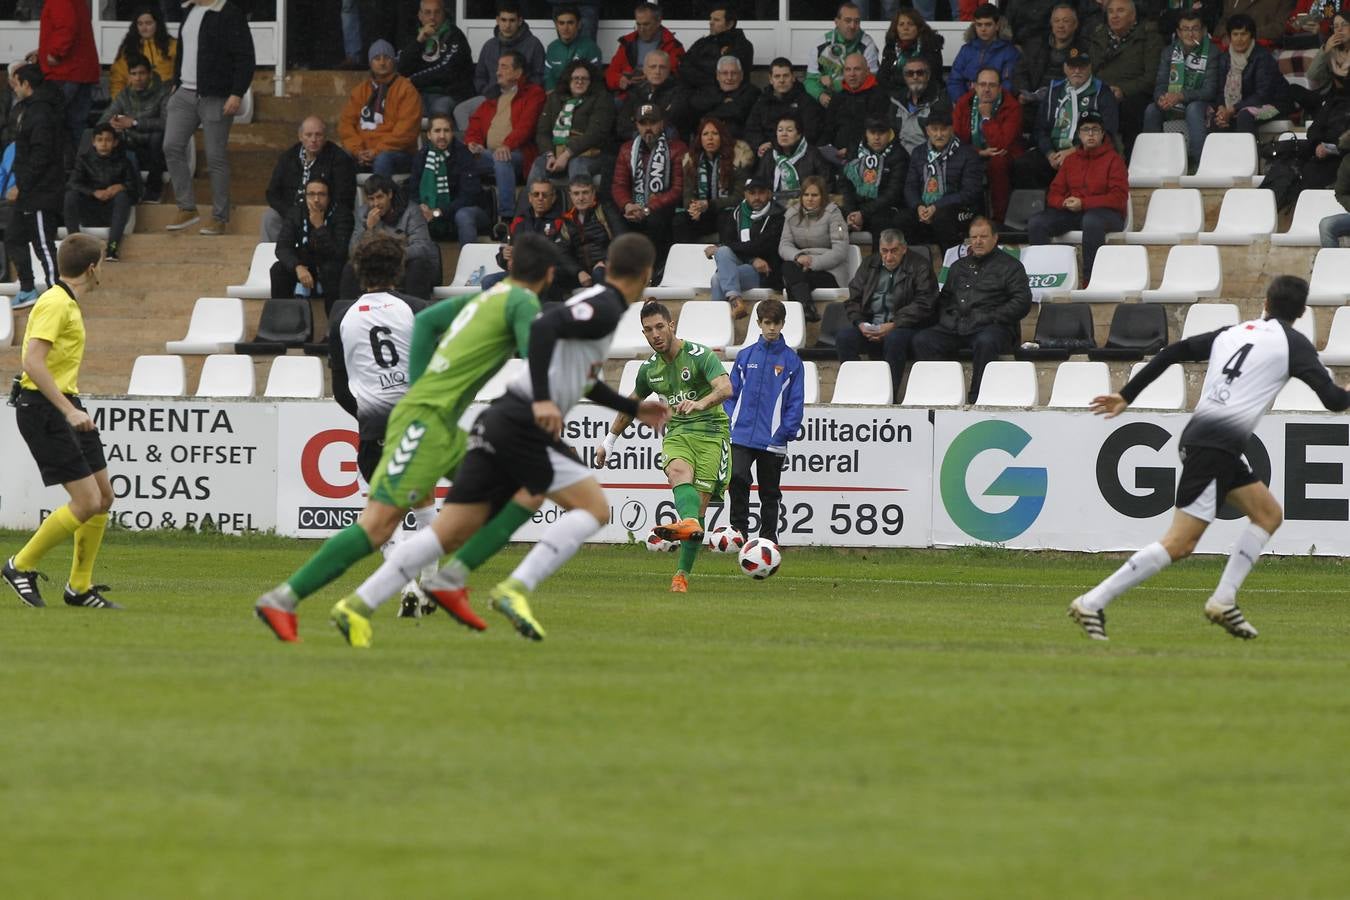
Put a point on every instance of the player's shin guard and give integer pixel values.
(1138, 568)
(55, 529)
(559, 544)
(338, 553)
(402, 566)
(1245, 554)
(88, 538)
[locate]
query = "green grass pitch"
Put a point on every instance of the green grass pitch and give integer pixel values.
(864, 724)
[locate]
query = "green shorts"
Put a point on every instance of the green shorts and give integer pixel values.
(419, 450)
(709, 455)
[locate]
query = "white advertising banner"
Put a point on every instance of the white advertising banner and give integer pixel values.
(172, 464)
(1074, 481)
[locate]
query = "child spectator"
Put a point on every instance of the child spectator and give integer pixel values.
(103, 187)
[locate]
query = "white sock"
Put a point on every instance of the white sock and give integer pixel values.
(402, 565)
(559, 544)
(453, 574)
(423, 516)
(1138, 568)
(1245, 553)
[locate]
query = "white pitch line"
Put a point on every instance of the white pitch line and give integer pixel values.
(1008, 584)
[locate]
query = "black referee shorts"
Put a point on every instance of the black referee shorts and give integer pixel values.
(1207, 475)
(507, 452)
(62, 454)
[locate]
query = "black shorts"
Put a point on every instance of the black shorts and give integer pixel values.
(1207, 475)
(507, 452)
(368, 453)
(62, 454)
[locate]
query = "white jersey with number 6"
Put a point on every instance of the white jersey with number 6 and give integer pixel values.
(376, 333)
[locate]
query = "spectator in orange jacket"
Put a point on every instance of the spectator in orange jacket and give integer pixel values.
(625, 69)
(1090, 192)
(648, 181)
(69, 59)
(382, 118)
(501, 132)
(989, 118)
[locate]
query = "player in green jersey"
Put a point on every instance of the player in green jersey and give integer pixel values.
(457, 345)
(696, 450)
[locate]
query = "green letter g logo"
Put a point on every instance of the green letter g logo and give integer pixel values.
(1026, 484)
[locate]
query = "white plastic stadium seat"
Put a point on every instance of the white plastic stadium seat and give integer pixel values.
(217, 324)
(1158, 159)
(1052, 270)
(10, 288)
(1008, 383)
(226, 375)
(688, 272)
(496, 385)
(1296, 396)
(1246, 215)
(935, 383)
(794, 329)
(1119, 272)
(299, 377)
(810, 382)
(101, 231)
(1337, 352)
(158, 376)
(1306, 325)
(258, 285)
(245, 114)
(1167, 392)
(1076, 237)
(1309, 211)
(706, 322)
(862, 383)
(1174, 215)
(6, 323)
(628, 380)
(472, 257)
(628, 340)
(1076, 383)
(1203, 317)
(826, 295)
(1329, 284)
(1192, 271)
(1226, 160)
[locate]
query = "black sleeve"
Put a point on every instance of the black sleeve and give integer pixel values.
(279, 197)
(606, 396)
(286, 243)
(239, 48)
(337, 360)
(1193, 349)
(1306, 367)
(585, 318)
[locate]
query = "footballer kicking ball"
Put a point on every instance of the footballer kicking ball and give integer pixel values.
(725, 540)
(658, 544)
(760, 558)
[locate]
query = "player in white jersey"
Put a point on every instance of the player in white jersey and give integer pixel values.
(368, 343)
(1248, 365)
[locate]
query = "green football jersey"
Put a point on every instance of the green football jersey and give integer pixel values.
(688, 377)
(473, 336)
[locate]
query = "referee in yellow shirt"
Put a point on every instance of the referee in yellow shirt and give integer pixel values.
(60, 434)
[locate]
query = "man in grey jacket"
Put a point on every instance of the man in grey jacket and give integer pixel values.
(386, 213)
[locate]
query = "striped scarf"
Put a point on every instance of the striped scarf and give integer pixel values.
(935, 172)
(562, 126)
(785, 177)
(434, 187)
(1186, 71)
(649, 171)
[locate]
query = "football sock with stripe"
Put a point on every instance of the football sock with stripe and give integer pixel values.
(485, 543)
(559, 544)
(55, 529)
(1138, 568)
(399, 567)
(1246, 552)
(88, 538)
(337, 555)
(686, 505)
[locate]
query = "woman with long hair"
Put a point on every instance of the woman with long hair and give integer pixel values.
(814, 247)
(147, 36)
(715, 169)
(909, 37)
(577, 118)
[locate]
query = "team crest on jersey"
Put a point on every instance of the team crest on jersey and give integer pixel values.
(777, 371)
(685, 374)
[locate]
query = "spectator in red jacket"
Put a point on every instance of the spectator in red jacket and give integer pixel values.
(625, 69)
(501, 131)
(989, 118)
(69, 60)
(1090, 192)
(648, 181)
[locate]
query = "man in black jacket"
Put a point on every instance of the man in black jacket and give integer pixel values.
(784, 96)
(890, 297)
(858, 99)
(39, 174)
(584, 234)
(313, 156)
(312, 247)
(698, 67)
(874, 182)
(657, 88)
(212, 72)
(730, 98)
(104, 186)
(438, 61)
(747, 257)
(981, 305)
(944, 187)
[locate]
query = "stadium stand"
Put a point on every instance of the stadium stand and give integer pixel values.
(1168, 392)
(1227, 160)
(1296, 396)
(285, 323)
(810, 382)
(1192, 272)
(226, 375)
(1159, 159)
(1120, 273)
(1076, 383)
(1202, 317)
(1059, 327)
(475, 262)
(1246, 215)
(6, 322)
(217, 324)
(1337, 350)
(688, 273)
(794, 329)
(1008, 383)
(158, 376)
(863, 383)
(935, 383)
(258, 284)
(1174, 215)
(295, 377)
(1309, 211)
(1136, 331)
(1329, 284)
(706, 322)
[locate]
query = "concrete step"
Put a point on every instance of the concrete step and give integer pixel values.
(294, 108)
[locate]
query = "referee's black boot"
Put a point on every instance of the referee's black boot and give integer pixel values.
(90, 599)
(25, 584)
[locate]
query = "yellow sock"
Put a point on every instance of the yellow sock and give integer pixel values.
(88, 538)
(59, 526)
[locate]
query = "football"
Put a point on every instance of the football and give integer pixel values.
(724, 540)
(760, 558)
(658, 544)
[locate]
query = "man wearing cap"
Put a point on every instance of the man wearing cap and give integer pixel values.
(1076, 93)
(1090, 193)
(379, 125)
(989, 118)
(648, 180)
(874, 181)
(944, 187)
(747, 257)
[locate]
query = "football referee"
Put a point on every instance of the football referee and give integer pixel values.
(60, 434)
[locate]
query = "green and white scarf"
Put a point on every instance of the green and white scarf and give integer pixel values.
(1186, 71)
(977, 120)
(649, 172)
(709, 185)
(830, 62)
(746, 217)
(434, 187)
(865, 170)
(935, 172)
(562, 126)
(1072, 104)
(785, 177)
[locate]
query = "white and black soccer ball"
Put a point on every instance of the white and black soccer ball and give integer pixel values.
(760, 558)
(724, 540)
(658, 544)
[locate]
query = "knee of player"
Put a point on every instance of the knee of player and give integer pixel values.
(379, 522)
(1179, 547)
(1270, 519)
(105, 500)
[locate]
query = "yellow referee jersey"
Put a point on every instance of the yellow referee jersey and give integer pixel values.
(57, 320)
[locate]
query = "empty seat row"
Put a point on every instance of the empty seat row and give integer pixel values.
(226, 375)
(1226, 160)
(706, 322)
